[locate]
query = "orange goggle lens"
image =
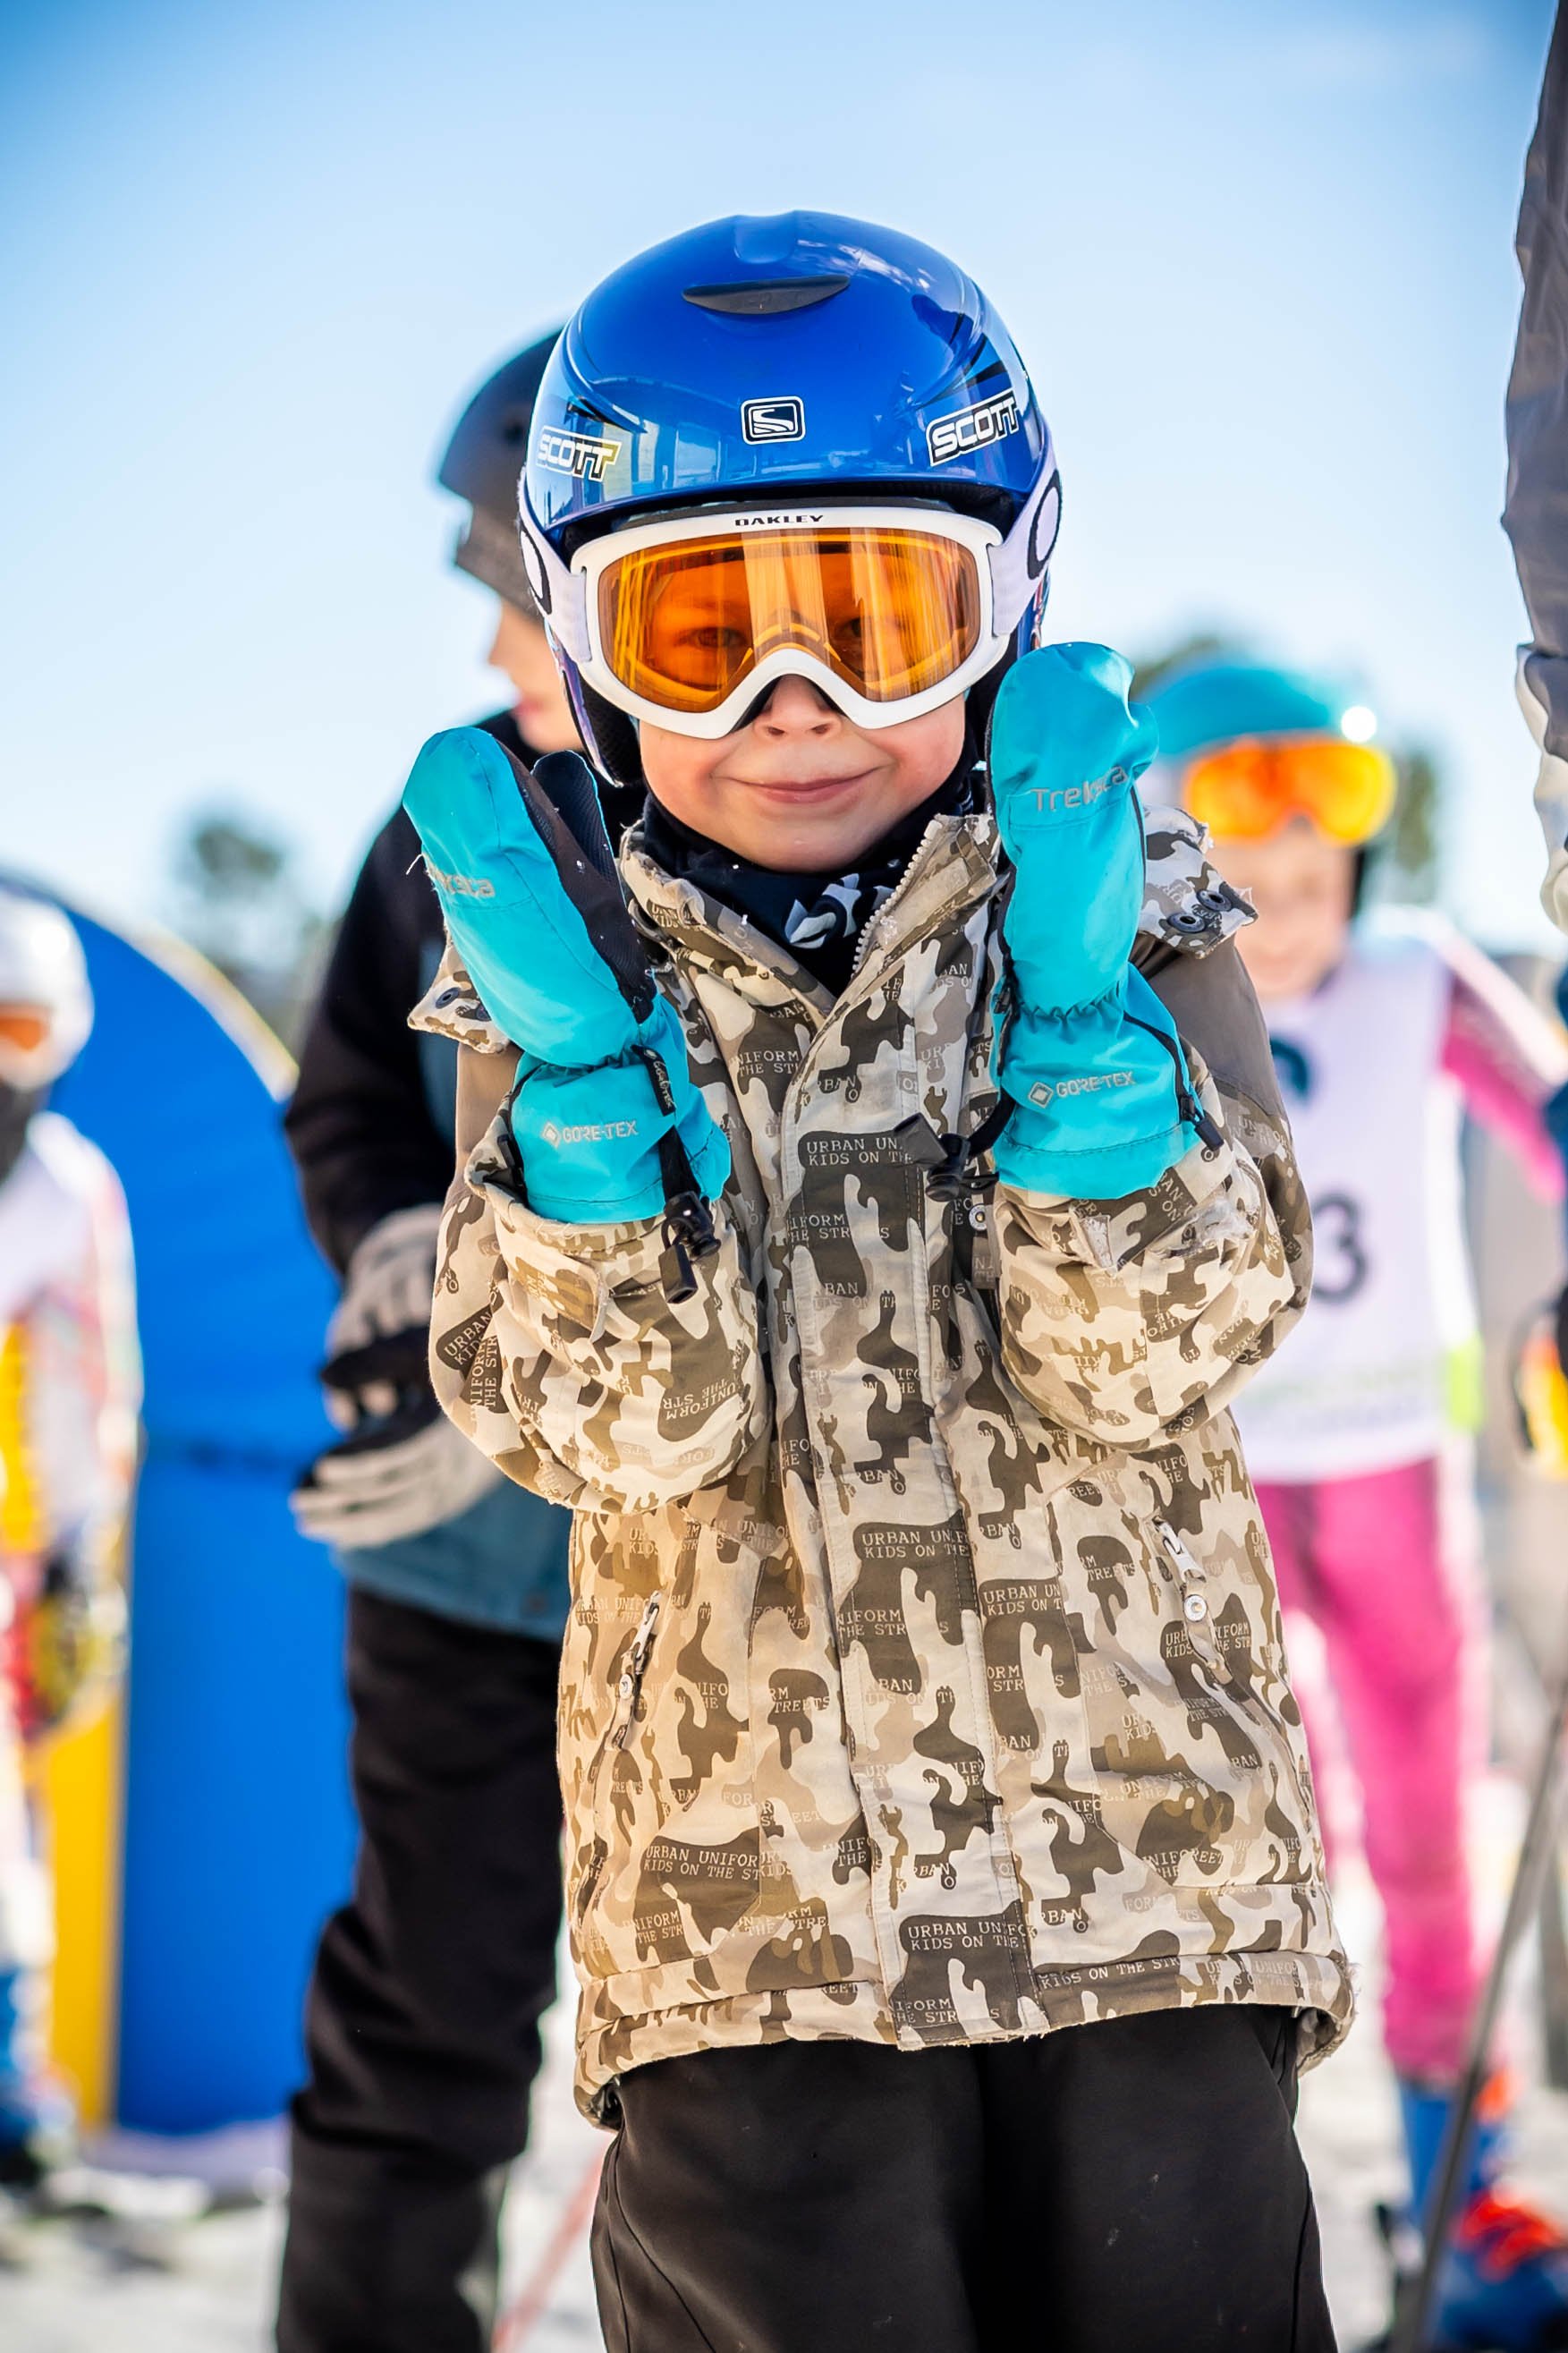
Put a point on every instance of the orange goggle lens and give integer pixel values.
(1249, 789)
(26, 1026)
(891, 612)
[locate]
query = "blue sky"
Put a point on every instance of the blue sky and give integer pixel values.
(1258, 257)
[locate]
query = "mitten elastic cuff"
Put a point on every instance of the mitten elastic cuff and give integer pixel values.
(589, 1140)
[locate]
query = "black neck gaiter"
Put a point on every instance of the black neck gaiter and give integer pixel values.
(818, 917)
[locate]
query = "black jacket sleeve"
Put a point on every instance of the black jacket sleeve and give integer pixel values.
(365, 1139)
(368, 1134)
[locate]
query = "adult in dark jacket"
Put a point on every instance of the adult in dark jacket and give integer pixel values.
(1535, 514)
(422, 2017)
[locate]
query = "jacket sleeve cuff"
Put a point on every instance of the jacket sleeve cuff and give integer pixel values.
(452, 1007)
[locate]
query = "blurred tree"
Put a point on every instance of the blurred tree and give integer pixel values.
(1198, 646)
(1409, 847)
(235, 897)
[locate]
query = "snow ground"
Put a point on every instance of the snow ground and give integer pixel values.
(207, 2287)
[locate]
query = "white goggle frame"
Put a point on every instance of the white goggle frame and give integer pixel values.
(1009, 572)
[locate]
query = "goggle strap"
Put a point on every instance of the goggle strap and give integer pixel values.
(562, 594)
(1020, 564)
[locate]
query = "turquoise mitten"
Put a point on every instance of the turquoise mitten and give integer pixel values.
(608, 1121)
(1091, 1057)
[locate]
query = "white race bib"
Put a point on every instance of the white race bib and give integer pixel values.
(1362, 1383)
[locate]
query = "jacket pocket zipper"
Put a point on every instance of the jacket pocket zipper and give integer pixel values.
(1193, 1577)
(628, 1689)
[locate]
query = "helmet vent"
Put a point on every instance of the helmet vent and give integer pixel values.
(766, 298)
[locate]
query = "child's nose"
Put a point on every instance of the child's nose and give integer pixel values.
(795, 707)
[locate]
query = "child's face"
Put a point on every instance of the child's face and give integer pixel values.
(1303, 885)
(799, 788)
(521, 650)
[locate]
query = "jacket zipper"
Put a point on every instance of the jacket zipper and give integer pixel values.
(894, 895)
(628, 1689)
(1195, 1602)
(796, 1099)
(798, 1084)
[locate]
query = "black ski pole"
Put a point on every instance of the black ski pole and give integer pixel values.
(1409, 2334)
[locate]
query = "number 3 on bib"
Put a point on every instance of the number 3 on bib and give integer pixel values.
(1340, 1265)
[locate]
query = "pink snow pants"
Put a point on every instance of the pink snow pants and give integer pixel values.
(1374, 1563)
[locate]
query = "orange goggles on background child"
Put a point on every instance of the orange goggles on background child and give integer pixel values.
(26, 1034)
(1250, 789)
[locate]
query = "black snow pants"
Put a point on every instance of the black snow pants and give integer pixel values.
(423, 2019)
(1132, 2186)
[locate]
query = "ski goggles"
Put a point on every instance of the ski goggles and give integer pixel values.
(890, 611)
(1249, 789)
(27, 1045)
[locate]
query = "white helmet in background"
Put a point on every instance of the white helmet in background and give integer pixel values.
(46, 1002)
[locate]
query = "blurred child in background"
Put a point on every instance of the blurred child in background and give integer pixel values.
(69, 1393)
(1383, 1033)
(421, 2026)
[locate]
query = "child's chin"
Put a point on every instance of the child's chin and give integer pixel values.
(775, 833)
(795, 847)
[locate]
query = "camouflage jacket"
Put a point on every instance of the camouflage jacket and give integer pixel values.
(924, 1680)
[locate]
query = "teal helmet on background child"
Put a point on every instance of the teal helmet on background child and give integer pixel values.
(1247, 744)
(798, 445)
(1206, 702)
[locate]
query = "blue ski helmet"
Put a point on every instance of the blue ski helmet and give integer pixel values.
(805, 354)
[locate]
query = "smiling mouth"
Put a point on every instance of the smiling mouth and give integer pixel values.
(809, 788)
